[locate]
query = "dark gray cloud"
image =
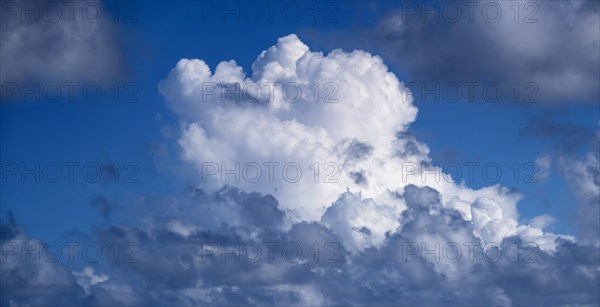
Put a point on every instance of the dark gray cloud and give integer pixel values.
(554, 44)
(32, 279)
(177, 268)
(58, 41)
(258, 210)
(564, 136)
(359, 178)
(582, 175)
(357, 150)
(103, 205)
(576, 151)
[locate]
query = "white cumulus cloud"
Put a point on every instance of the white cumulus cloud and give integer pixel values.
(344, 110)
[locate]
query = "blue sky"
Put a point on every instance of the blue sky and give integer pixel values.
(144, 136)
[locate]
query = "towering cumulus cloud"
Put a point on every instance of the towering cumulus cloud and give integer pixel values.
(345, 111)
